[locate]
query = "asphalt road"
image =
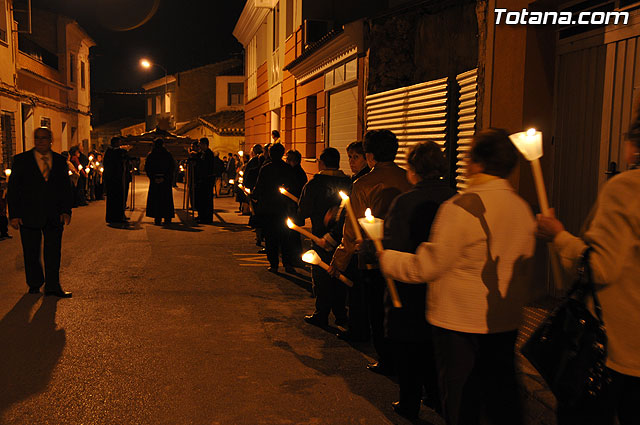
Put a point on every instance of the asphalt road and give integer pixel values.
(179, 325)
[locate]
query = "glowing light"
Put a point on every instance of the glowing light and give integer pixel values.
(240, 153)
(311, 257)
(79, 166)
(241, 173)
(529, 143)
(343, 195)
(98, 163)
(282, 190)
(101, 170)
(90, 157)
(70, 173)
(7, 172)
(369, 216)
(231, 181)
(145, 63)
(86, 170)
(290, 224)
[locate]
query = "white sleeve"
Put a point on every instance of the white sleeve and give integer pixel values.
(432, 258)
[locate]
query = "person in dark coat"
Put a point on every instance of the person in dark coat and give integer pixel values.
(320, 195)
(114, 181)
(40, 198)
(274, 208)
(300, 177)
(407, 225)
(204, 183)
(251, 172)
(159, 168)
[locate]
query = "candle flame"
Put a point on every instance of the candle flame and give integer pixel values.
(70, 173)
(343, 195)
(97, 163)
(240, 185)
(248, 191)
(282, 190)
(90, 157)
(86, 170)
(241, 173)
(531, 132)
(101, 170)
(79, 166)
(290, 223)
(368, 215)
(231, 181)
(7, 172)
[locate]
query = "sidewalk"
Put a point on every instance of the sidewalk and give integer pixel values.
(539, 402)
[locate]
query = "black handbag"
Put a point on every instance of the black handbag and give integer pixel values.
(569, 349)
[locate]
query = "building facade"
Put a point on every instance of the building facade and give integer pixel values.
(186, 95)
(44, 81)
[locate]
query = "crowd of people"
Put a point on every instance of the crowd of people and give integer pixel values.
(462, 265)
(461, 262)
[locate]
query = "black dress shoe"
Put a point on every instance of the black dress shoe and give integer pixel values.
(59, 293)
(403, 411)
(33, 290)
(380, 368)
(314, 319)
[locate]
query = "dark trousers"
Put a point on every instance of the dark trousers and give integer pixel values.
(416, 367)
(331, 294)
(476, 371)
(276, 239)
(4, 225)
(622, 400)
(31, 246)
(374, 284)
(359, 328)
(204, 200)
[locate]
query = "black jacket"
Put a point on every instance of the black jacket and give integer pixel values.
(159, 167)
(407, 225)
(320, 195)
(35, 200)
(251, 171)
(205, 167)
(267, 194)
(300, 180)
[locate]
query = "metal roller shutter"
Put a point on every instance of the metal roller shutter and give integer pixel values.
(343, 123)
(415, 114)
(466, 125)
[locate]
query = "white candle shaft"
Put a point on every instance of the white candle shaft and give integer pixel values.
(342, 277)
(544, 208)
(290, 196)
(391, 285)
(306, 233)
(352, 218)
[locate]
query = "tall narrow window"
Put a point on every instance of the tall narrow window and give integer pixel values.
(235, 93)
(149, 106)
(289, 18)
(3, 21)
(72, 67)
(276, 26)
(158, 105)
(167, 102)
(82, 74)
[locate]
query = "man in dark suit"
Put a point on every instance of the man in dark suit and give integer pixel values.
(204, 183)
(40, 198)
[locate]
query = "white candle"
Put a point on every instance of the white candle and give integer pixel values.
(288, 195)
(352, 216)
(291, 225)
(312, 257)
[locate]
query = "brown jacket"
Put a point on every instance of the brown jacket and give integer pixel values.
(374, 190)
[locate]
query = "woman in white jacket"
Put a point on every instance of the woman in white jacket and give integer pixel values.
(477, 264)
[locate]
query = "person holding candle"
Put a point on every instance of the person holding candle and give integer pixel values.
(407, 225)
(613, 233)
(294, 158)
(478, 265)
(375, 190)
(275, 208)
(318, 196)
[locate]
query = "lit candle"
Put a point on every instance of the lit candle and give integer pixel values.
(231, 181)
(352, 217)
(7, 172)
(97, 163)
(70, 173)
(529, 143)
(312, 257)
(79, 166)
(101, 170)
(374, 227)
(291, 225)
(288, 195)
(241, 173)
(86, 170)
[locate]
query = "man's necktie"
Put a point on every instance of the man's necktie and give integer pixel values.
(45, 167)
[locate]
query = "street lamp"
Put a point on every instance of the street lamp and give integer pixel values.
(147, 64)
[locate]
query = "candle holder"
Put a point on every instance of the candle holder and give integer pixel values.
(312, 257)
(374, 228)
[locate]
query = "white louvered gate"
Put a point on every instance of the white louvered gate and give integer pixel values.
(415, 114)
(466, 123)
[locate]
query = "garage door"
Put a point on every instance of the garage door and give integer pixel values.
(343, 123)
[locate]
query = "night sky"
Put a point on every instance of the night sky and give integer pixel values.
(178, 35)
